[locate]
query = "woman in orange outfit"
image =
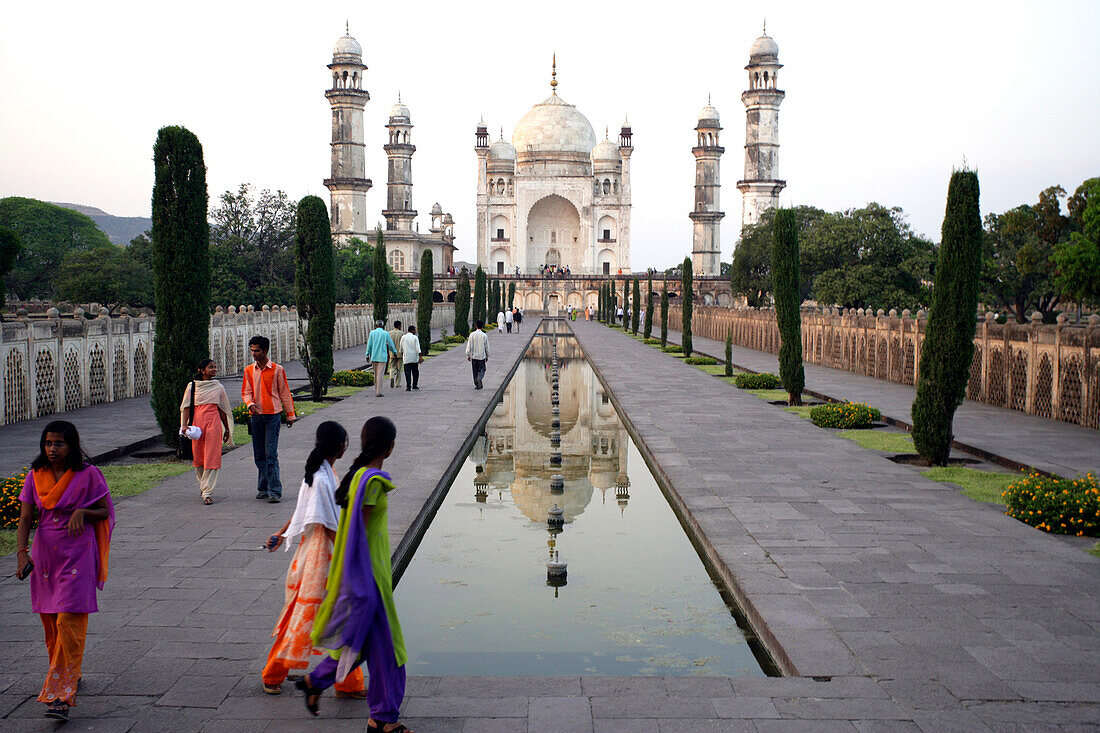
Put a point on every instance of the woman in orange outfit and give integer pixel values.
(211, 416)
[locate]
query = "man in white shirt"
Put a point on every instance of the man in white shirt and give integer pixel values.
(477, 353)
(508, 318)
(411, 358)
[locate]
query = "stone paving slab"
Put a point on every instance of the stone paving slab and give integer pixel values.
(1048, 445)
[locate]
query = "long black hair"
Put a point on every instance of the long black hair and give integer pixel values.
(377, 437)
(76, 459)
(202, 365)
(331, 437)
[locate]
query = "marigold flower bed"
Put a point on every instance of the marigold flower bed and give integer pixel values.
(845, 415)
(1056, 504)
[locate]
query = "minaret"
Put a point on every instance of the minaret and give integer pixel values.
(348, 184)
(626, 149)
(481, 147)
(762, 99)
(706, 255)
(399, 212)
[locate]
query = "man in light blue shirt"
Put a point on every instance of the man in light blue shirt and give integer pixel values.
(379, 347)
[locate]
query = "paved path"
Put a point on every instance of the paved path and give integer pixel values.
(938, 610)
(113, 426)
(1049, 445)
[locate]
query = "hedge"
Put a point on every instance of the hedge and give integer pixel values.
(353, 378)
(844, 415)
(673, 349)
(652, 341)
(1056, 504)
(456, 339)
(701, 360)
(757, 381)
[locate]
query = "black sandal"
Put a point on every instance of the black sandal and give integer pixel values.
(382, 727)
(58, 710)
(310, 691)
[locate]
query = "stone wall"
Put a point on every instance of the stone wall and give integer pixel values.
(1052, 371)
(58, 364)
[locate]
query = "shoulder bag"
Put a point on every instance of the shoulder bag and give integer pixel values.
(183, 448)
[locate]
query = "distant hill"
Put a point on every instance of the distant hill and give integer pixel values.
(119, 229)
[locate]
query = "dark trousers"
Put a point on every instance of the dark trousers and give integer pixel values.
(508, 326)
(265, 452)
(412, 375)
(479, 370)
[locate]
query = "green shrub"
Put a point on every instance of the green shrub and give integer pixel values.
(353, 378)
(437, 348)
(613, 325)
(844, 415)
(652, 341)
(757, 381)
(701, 360)
(456, 339)
(10, 487)
(1056, 504)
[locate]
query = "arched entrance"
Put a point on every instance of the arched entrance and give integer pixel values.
(553, 230)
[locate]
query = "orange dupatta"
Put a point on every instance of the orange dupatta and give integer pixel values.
(50, 491)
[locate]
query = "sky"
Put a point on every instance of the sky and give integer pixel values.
(883, 100)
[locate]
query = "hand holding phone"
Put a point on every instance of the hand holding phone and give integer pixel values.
(25, 571)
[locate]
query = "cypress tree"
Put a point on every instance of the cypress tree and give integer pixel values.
(479, 296)
(424, 302)
(948, 343)
(381, 275)
(664, 315)
(462, 304)
(490, 312)
(648, 333)
(315, 291)
(10, 245)
(785, 284)
(634, 314)
(496, 298)
(181, 271)
(602, 303)
(685, 333)
(729, 352)
(511, 295)
(613, 303)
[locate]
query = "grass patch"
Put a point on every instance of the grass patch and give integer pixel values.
(1095, 551)
(240, 435)
(137, 478)
(984, 486)
(7, 541)
(718, 370)
(341, 390)
(768, 394)
(880, 440)
(800, 410)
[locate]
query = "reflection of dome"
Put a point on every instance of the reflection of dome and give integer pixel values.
(532, 497)
(764, 47)
(347, 46)
(554, 126)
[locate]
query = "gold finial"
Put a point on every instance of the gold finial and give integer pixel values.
(554, 75)
(765, 26)
(347, 27)
(606, 133)
(708, 99)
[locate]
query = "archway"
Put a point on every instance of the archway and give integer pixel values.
(553, 224)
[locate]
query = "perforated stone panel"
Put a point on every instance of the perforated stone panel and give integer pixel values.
(97, 376)
(74, 393)
(16, 403)
(45, 383)
(141, 370)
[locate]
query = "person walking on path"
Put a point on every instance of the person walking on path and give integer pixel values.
(477, 353)
(411, 359)
(395, 358)
(379, 347)
(68, 561)
(509, 319)
(315, 520)
(211, 416)
(267, 394)
(500, 321)
(518, 318)
(357, 622)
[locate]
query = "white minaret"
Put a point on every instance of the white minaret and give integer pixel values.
(706, 254)
(348, 183)
(399, 212)
(760, 186)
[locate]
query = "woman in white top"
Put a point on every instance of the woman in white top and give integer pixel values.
(315, 520)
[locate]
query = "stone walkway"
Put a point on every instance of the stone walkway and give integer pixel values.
(1049, 445)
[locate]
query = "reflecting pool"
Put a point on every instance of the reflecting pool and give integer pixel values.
(636, 599)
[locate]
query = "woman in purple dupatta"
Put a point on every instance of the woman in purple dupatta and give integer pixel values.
(357, 622)
(68, 561)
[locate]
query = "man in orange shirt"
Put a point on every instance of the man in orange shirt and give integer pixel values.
(267, 394)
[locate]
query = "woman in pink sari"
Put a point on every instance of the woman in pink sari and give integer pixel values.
(68, 561)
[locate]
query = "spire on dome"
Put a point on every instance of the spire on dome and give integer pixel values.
(347, 26)
(554, 75)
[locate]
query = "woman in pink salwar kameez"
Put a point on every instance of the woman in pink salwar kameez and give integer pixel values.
(68, 561)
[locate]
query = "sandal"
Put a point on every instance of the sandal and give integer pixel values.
(58, 710)
(381, 726)
(273, 689)
(310, 692)
(357, 695)
(208, 501)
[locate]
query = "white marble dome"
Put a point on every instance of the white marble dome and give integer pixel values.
(347, 46)
(554, 126)
(502, 150)
(708, 113)
(606, 151)
(764, 46)
(400, 111)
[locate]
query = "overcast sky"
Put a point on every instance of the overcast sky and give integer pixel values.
(883, 99)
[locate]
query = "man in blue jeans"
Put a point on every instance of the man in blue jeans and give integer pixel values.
(266, 393)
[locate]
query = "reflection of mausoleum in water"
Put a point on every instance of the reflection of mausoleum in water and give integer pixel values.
(515, 451)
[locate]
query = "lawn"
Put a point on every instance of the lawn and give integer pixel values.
(769, 394)
(7, 541)
(1095, 550)
(138, 477)
(800, 410)
(984, 486)
(881, 440)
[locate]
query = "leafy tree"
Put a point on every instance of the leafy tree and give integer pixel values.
(634, 314)
(10, 244)
(664, 315)
(252, 241)
(462, 304)
(511, 295)
(728, 371)
(479, 295)
(648, 333)
(315, 291)
(787, 301)
(1078, 261)
(107, 275)
(496, 298)
(949, 338)
(381, 275)
(613, 302)
(686, 307)
(355, 263)
(601, 303)
(424, 302)
(181, 252)
(49, 233)
(750, 272)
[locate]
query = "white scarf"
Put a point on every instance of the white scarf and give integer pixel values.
(316, 504)
(207, 392)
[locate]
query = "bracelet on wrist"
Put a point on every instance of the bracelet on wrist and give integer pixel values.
(22, 549)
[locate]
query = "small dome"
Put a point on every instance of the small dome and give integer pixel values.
(764, 46)
(606, 151)
(448, 219)
(347, 46)
(554, 126)
(502, 150)
(400, 111)
(708, 113)
(436, 209)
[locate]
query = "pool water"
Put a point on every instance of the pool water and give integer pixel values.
(637, 600)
